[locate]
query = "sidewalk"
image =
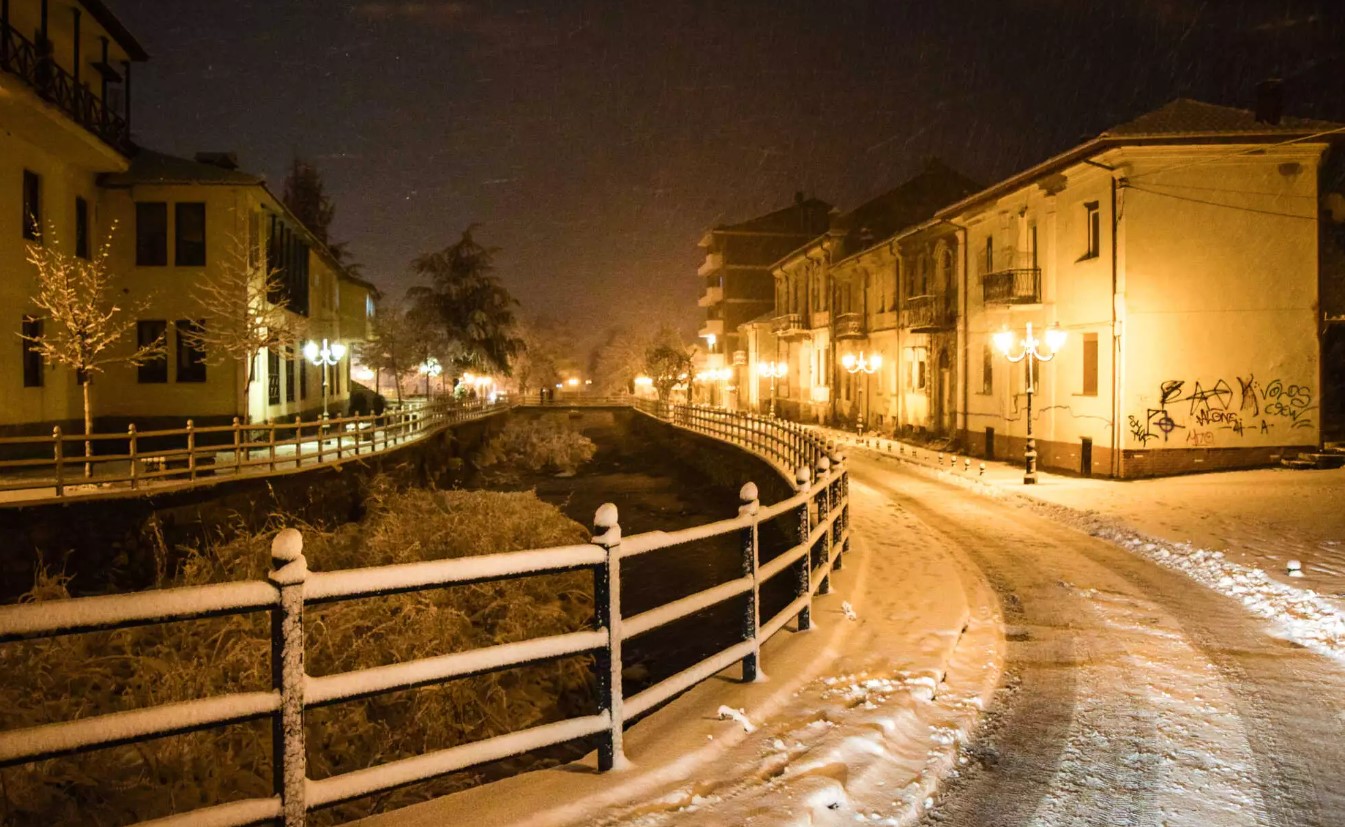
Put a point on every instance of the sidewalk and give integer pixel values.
(857, 720)
(1233, 531)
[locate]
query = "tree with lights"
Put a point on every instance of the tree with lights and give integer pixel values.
(669, 366)
(245, 313)
(82, 325)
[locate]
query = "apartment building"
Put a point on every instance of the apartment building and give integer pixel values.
(74, 178)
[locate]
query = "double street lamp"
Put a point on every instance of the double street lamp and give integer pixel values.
(325, 356)
(868, 366)
(1029, 349)
(775, 370)
(430, 367)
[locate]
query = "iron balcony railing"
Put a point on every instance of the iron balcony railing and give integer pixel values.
(787, 324)
(23, 58)
(930, 312)
(816, 520)
(1015, 286)
(850, 326)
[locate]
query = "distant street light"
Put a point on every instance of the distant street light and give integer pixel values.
(430, 367)
(1055, 340)
(325, 356)
(775, 370)
(868, 366)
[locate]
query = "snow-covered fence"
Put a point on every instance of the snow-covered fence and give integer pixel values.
(817, 521)
(58, 466)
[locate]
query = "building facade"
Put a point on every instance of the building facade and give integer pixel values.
(76, 180)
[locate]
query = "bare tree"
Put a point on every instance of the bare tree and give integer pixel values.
(83, 326)
(244, 306)
(398, 345)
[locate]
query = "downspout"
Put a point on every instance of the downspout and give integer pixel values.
(962, 322)
(1117, 359)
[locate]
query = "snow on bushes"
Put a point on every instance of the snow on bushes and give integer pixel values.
(545, 443)
(67, 678)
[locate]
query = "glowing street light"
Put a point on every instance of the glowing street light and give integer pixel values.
(868, 366)
(1029, 349)
(430, 367)
(775, 370)
(325, 356)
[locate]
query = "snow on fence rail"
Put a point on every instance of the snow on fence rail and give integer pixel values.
(817, 516)
(67, 464)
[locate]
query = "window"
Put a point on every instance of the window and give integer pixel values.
(302, 367)
(81, 228)
(148, 332)
(32, 357)
(915, 359)
(1093, 223)
(32, 205)
(1090, 364)
(987, 369)
(272, 376)
(990, 254)
(189, 234)
(190, 353)
(151, 234)
(289, 375)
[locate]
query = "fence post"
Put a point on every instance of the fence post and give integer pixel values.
(607, 615)
(271, 444)
(750, 506)
(340, 432)
(132, 453)
(823, 513)
(298, 442)
(802, 481)
(191, 450)
(837, 505)
(238, 447)
(58, 453)
(289, 761)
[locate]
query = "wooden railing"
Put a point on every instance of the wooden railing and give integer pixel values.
(816, 518)
(66, 464)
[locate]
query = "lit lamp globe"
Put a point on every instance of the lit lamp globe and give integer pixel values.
(848, 361)
(1003, 340)
(1055, 337)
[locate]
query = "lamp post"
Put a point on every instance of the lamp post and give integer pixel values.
(430, 367)
(775, 370)
(1029, 350)
(868, 366)
(324, 356)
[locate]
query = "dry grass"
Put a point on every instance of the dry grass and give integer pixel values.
(545, 443)
(67, 678)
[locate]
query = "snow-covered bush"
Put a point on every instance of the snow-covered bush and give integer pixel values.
(546, 443)
(67, 678)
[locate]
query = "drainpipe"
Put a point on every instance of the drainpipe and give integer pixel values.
(1117, 357)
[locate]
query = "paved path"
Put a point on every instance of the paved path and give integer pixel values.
(1131, 694)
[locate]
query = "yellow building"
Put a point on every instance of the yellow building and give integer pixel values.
(73, 174)
(1180, 253)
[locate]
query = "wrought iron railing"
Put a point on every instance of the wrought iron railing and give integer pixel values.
(931, 312)
(1017, 286)
(816, 517)
(786, 324)
(25, 59)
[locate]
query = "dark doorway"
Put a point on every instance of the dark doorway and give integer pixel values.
(1086, 457)
(990, 443)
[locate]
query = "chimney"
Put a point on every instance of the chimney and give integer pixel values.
(1269, 101)
(223, 160)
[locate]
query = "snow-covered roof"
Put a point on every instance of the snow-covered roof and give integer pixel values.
(1185, 117)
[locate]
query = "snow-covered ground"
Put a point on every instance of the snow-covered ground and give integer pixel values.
(1272, 538)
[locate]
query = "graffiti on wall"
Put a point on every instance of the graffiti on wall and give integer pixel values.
(1196, 414)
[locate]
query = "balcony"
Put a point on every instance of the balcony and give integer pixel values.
(712, 327)
(789, 326)
(850, 326)
(712, 296)
(35, 67)
(713, 262)
(926, 314)
(1017, 286)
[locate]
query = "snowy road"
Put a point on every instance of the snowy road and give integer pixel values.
(1131, 695)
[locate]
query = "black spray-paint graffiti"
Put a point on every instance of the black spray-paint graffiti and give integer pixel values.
(1203, 410)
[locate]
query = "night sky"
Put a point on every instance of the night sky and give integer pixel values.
(594, 142)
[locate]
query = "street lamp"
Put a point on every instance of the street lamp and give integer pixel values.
(868, 366)
(1029, 350)
(430, 367)
(325, 356)
(774, 370)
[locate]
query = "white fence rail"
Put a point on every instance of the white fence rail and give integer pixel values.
(817, 516)
(64, 465)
